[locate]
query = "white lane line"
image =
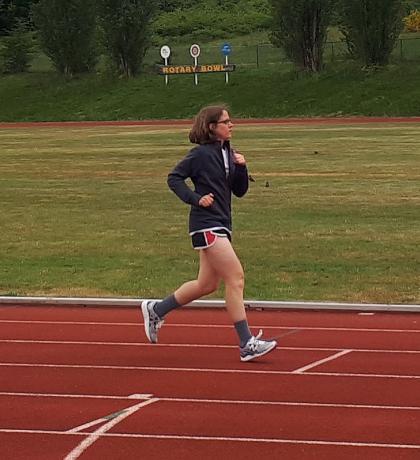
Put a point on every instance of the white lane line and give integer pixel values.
(108, 417)
(301, 370)
(218, 401)
(86, 443)
(216, 326)
(88, 424)
(191, 345)
(207, 370)
(224, 439)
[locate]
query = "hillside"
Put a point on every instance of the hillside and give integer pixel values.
(274, 91)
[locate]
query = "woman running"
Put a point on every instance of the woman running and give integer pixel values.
(217, 171)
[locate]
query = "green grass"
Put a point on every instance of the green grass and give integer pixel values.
(86, 211)
(341, 90)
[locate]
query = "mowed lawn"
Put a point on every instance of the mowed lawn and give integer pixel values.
(333, 214)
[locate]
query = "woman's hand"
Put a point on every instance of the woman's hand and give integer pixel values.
(238, 158)
(206, 200)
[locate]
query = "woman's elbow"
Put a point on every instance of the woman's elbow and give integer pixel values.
(240, 192)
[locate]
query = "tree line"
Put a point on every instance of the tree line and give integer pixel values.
(370, 29)
(70, 31)
(74, 33)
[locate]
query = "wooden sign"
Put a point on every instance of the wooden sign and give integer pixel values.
(191, 69)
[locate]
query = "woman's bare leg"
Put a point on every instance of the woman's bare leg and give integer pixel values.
(225, 263)
(207, 282)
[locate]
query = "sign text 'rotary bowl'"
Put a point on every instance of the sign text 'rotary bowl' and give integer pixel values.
(187, 69)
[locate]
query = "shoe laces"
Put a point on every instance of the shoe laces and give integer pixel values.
(156, 321)
(254, 342)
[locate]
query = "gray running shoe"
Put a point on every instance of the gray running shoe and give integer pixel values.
(256, 347)
(152, 322)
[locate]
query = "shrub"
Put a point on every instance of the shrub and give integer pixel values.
(214, 19)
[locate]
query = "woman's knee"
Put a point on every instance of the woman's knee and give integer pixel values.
(209, 287)
(237, 281)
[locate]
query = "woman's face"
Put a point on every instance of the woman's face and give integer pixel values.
(223, 128)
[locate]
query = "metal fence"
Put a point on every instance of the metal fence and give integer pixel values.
(265, 54)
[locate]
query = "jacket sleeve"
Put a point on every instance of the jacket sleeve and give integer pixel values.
(176, 180)
(240, 181)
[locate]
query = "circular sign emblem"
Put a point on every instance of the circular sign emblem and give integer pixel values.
(226, 49)
(165, 52)
(195, 51)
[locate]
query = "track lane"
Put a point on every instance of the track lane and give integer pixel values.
(97, 355)
(289, 318)
(85, 353)
(213, 335)
(210, 385)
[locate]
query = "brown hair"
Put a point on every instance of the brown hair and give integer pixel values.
(201, 133)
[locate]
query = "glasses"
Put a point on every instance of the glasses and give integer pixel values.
(225, 122)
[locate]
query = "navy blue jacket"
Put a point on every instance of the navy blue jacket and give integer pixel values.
(205, 167)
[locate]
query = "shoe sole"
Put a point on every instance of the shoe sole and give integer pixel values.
(146, 319)
(251, 357)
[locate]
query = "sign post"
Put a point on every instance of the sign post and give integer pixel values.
(226, 50)
(195, 52)
(165, 52)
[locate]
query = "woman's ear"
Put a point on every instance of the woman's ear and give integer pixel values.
(212, 127)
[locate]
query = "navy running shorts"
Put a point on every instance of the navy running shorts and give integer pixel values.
(206, 238)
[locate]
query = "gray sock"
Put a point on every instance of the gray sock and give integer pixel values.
(166, 305)
(243, 331)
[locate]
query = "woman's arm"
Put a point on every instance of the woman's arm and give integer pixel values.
(177, 177)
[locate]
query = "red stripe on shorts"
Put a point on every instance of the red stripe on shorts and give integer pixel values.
(210, 238)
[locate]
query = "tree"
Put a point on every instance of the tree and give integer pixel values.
(67, 33)
(13, 13)
(371, 28)
(300, 28)
(125, 27)
(17, 49)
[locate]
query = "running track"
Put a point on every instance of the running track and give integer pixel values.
(239, 121)
(83, 383)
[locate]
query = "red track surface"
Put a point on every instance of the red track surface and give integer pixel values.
(62, 368)
(242, 121)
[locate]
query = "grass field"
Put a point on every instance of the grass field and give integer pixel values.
(333, 214)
